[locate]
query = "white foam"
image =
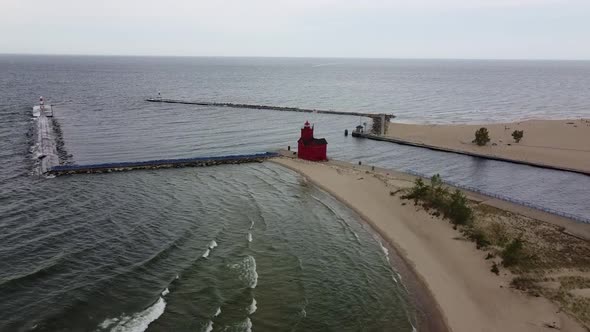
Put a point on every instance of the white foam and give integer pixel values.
(177, 277)
(385, 250)
(217, 312)
(249, 237)
(209, 327)
(206, 254)
(212, 244)
(108, 322)
(137, 322)
(247, 271)
(165, 292)
(247, 325)
(252, 224)
(252, 308)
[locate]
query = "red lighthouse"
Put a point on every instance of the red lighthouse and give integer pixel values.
(311, 148)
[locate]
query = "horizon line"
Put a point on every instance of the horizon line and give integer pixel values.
(292, 57)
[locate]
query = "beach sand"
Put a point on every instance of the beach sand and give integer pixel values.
(470, 297)
(559, 143)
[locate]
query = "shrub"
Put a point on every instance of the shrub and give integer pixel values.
(513, 253)
(479, 237)
(517, 135)
(482, 136)
(495, 269)
(418, 191)
(498, 234)
(457, 209)
(435, 196)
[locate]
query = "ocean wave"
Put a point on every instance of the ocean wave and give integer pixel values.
(246, 270)
(249, 237)
(247, 325)
(50, 267)
(252, 307)
(385, 250)
(212, 244)
(137, 322)
(209, 326)
(206, 254)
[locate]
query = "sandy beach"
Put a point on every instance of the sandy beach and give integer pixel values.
(469, 296)
(559, 143)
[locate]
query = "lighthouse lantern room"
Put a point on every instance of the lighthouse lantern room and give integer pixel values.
(311, 148)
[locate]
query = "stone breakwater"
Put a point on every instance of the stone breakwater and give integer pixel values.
(379, 119)
(158, 164)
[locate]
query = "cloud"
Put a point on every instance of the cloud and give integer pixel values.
(376, 28)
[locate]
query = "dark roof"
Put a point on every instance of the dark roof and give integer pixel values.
(359, 126)
(314, 141)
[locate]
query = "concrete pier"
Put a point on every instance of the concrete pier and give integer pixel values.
(472, 154)
(47, 155)
(162, 163)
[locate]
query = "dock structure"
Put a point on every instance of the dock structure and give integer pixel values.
(379, 119)
(48, 155)
(157, 164)
(467, 153)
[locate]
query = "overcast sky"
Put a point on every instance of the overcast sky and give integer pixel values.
(488, 29)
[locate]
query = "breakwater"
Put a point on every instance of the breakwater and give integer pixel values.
(387, 117)
(47, 150)
(157, 164)
(467, 153)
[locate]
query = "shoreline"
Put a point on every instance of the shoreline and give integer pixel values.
(429, 314)
(552, 144)
(453, 273)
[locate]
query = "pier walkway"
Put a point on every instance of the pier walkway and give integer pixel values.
(157, 164)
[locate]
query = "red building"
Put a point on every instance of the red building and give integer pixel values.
(311, 148)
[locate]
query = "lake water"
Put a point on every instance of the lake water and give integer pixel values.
(86, 253)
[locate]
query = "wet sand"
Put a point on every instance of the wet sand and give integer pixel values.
(468, 295)
(558, 143)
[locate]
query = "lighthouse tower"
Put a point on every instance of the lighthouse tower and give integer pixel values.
(311, 148)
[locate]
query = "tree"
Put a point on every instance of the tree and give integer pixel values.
(458, 210)
(517, 135)
(482, 136)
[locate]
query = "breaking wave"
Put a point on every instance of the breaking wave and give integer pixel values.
(252, 307)
(137, 322)
(246, 270)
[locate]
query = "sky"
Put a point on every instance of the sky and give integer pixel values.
(460, 29)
